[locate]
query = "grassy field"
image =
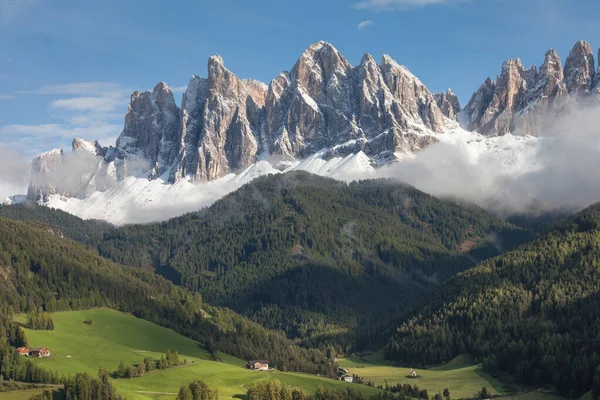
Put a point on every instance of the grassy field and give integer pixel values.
(20, 394)
(229, 380)
(114, 337)
(461, 376)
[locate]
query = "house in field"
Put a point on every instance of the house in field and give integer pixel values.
(39, 352)
(22, 351)
(258, 365)
(349, 378)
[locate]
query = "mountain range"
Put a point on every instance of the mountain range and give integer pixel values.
(324, 116)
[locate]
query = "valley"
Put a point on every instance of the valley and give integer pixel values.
(114, 337)
(289, 219)
(266, 272)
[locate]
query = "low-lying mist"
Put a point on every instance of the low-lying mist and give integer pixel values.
(559, 171)
(14, 173)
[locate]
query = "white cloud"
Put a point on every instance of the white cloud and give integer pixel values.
(387, 5)
(81, 88)
(88, 110)
(555, 172)
(98, 104)
(364, 24)
(15, 173)
(6, 96)
(178, 89)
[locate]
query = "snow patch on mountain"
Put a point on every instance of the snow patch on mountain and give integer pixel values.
(138, 199)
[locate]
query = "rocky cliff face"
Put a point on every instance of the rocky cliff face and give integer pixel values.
(151, 129)
(226, 123)
(524, 101)
(448, 104)
(324, 102)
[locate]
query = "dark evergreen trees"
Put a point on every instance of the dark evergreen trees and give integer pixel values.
(533, 312)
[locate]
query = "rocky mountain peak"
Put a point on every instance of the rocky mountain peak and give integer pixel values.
(320, 65)
(225, 123)
(150, 130)
(580, 69)
(367, 59)
(448, 103)
(524, 101)
(552, 66)
(89, 147)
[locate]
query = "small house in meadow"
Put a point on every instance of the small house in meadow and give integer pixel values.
(22, 351)
(258, 365)
(40, 352)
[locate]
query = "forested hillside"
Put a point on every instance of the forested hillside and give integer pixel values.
(39, 268)
(533, 312)
(304, 254)
(311, 255)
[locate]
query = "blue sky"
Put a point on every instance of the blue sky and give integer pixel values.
(67, 67)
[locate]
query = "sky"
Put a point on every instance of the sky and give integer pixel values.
(67, 67)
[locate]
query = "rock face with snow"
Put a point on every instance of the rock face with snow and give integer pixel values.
(580, 69)
(524, 101)
(448, 103)
(44, 175)
(225, 124)
(323, 105)
(221, 124)
(86, 169)
(324, 101)
(151, 129)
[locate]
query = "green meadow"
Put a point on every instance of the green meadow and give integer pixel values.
(461, 376)
(229, 380)
(20, 394)
(114, 337)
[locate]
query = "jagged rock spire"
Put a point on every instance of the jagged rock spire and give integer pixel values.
(580, 69)
(524, 101)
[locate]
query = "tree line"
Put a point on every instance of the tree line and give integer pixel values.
(83, 387)
(37, 319)
(170, 360)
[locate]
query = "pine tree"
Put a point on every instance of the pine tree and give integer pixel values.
(447, 394)
(185, 393)
(121, 370)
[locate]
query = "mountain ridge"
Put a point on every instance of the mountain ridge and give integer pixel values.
(322, 109)
(226, 124)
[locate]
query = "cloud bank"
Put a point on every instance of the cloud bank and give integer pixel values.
(559, 171)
